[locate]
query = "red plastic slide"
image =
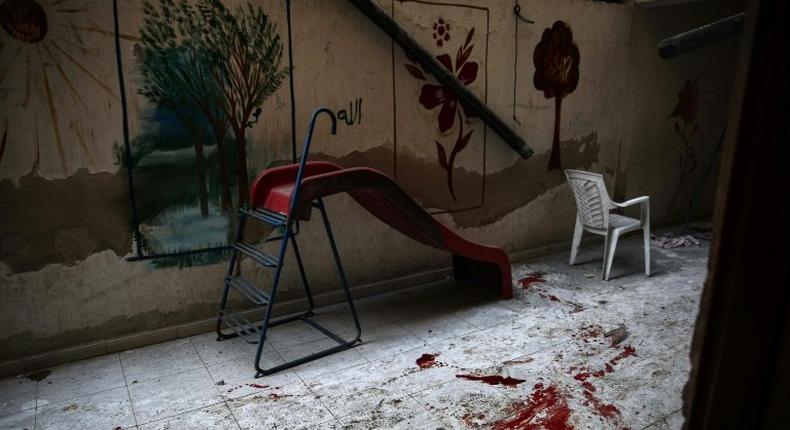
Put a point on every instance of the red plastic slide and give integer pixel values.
(386, 200)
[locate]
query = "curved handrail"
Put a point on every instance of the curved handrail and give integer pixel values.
(306, 150)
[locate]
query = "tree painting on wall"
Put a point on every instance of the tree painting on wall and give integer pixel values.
(556, 59)
(206, 69)
(434, 96)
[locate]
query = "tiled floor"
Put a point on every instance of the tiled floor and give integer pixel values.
(545, 351)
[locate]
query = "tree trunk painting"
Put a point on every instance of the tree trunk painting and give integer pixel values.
(226, 202)
(555, 159)
(246, 52)
(556, 59)
(241, 167)
(200, 169)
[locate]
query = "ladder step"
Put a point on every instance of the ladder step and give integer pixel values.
(246, 330)
(249, 291)
(267, 216)
(256, 254)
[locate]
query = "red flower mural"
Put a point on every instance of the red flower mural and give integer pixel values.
(688, 102)
(441, 32)
(433, 96)
(686, 127)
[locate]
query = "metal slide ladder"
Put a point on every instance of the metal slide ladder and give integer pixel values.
(232, 323)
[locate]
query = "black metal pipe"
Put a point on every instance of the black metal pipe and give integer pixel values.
(699, 37)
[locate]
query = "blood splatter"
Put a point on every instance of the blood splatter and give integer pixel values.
(493, 379)
(628, 351)
(427, 361)
(605, 410)
(274, 396)
(530, 279)
(470, 418)
(258, 386)
(583, 376)
(551, 297)
(589, 332)
(545, 409)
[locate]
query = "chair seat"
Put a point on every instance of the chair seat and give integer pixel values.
(623, 222)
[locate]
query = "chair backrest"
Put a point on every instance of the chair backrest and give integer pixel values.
(592, 200)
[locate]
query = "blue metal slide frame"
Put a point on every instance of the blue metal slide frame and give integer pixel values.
(256, 333)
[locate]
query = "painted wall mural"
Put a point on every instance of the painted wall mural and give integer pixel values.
(205, 70)
(450, 108)
(686, 127)
(208, 109)
(556, 59)
(56, 70)
(440, 146)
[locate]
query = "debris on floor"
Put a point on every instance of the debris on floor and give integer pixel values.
(672, 241)
(618, 335)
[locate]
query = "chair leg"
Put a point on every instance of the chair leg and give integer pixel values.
(611, 244)
(646, 232)
(578, 231)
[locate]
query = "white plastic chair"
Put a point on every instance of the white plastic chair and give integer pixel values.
(593, 205)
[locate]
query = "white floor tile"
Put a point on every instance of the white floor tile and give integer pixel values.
(108, 409)
(402, 413)
(236, 378)
(159, 360)
(81, 378)
(386, 340)
(257, 412)
(172, 395)
(17, 393)
(213, 417)
(212, 351)
(331, 363)
(24, 420)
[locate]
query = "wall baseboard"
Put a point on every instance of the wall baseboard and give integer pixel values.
(94, 349)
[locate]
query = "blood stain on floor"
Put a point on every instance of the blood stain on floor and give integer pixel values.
(493, 379)
(545, 409)
(427, 361)
(530, 279)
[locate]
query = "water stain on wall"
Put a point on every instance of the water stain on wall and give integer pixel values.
(505, 191)
(64, 220)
